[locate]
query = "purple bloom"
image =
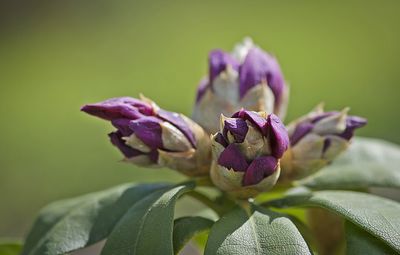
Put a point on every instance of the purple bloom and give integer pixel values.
(251, 143)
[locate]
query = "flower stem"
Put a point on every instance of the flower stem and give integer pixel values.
(207, 201)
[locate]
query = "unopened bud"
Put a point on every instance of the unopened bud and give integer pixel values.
(316, 139)
(247, 78)
(150, 136)
(246, 153)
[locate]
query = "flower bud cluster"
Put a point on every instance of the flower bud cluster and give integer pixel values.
(249, 151)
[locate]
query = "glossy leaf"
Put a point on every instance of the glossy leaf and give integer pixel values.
(147, 226)
(71, 224)
(255, 231)
(187, 227)
(376, 215)
(367, 163)
(359, 242)
(10, 248)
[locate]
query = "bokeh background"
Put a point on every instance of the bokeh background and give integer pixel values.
(58, 55)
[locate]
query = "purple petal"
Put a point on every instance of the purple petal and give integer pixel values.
(352, 123)
(278, 136)
(123, 126)
(259, 169)
(251, 116)
(201, 89)
(232, 158)
(219, 138)
(301, 130)
(237, 127)
(218, 61)
(260, 67)
(118, 108)
(148, 130)
(176, 120)
(116, 140)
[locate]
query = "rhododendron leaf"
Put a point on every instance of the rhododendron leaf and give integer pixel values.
(359, 242)
(75, 223)
(147, 227)
(187, 227)
(376, 215)
(255, 230)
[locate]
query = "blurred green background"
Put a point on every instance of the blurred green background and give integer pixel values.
(58, 55)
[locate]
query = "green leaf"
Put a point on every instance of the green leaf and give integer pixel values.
(71, 224)
(378, 216)
(10, 248)
(359, 242)
(187, 227)
(255, 230)
(367, 163)
(147, 226)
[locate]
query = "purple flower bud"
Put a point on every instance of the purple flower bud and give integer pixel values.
(261, 68)
(246, 152)
(316, 139)
(339, 124)
(150, 136)
(248, 78)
